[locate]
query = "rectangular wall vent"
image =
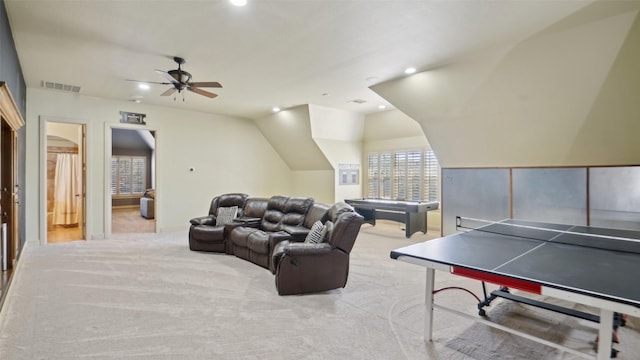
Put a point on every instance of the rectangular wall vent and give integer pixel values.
(61, 87)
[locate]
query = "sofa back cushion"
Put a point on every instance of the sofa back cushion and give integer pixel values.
(275, 211)
(284, 210)
(346, 226)
(255, 207)
(336, 210)
(316, 213)
(295, 210)
(228, 200)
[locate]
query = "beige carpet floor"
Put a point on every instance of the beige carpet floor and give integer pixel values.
(146, 296)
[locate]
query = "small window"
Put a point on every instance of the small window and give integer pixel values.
(128, 175)
(405, 175)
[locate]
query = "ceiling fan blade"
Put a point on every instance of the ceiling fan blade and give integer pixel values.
(202, 92)
(149, 82)
(166, 75)
(169, 92)
(213, 84)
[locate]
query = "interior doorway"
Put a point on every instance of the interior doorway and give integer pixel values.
(133, 190)
(9, 246)
(65, 182)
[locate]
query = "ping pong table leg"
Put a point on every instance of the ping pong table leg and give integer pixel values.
(428, 305)
(604, 334)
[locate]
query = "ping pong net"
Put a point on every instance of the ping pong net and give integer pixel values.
(586, 236)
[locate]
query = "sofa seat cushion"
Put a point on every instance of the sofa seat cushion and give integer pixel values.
(258, 241)
(240, 234)
(208, 233)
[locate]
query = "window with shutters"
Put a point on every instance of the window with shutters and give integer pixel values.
(404, 175)
(128, 175)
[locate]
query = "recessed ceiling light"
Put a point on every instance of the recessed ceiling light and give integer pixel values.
(275, 109)
(137, 101)
(144, 86)
(382, 107)
(238, 2)
(409, 70)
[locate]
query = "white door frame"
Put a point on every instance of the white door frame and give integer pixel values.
(107, 173)
(43, 174)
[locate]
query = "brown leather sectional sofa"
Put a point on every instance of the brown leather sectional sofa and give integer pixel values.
(271, 233)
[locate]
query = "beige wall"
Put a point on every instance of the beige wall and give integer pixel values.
(392, 129)
(228, 154)
(314, 183)
(314, 141)
(289, 132)
(338, 134)
(564, 96)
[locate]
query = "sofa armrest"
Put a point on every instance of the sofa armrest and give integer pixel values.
(289, 248)
(248, 221)
(277, 237)
(204, 220)
(299, 233)
(299, 249)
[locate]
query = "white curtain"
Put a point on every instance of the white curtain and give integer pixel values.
(67, 185)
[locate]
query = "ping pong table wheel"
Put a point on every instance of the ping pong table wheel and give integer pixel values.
(623, 319)
(482, 312)
(614, 353)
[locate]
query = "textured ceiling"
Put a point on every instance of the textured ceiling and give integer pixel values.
(268, 53)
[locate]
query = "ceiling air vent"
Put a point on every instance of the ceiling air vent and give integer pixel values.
(358, 101)
(61, 87)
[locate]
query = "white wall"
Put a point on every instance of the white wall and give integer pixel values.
(317, 184)
(392, 130)
(229, 155)
(339, 133)
(289, 132)
(564, 96)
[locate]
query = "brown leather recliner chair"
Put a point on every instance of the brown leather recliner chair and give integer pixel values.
(204, 234)
(302, 268)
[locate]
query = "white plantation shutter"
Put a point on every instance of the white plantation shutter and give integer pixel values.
(373, 176)
(400, 176)
(386, 186)
(414, 175)
(114, 176)
(431, 171)
(138, 175)
(128, 175)
(408, 175)
(124, 175)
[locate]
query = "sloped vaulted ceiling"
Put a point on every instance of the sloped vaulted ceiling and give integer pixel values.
(567, 95)
(289, 132)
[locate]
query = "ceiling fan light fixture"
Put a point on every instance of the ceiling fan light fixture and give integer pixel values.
(238, 2)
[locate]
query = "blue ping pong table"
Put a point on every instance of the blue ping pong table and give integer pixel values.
(592, 266)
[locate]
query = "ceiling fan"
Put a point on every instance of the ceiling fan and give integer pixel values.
(180, 80)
